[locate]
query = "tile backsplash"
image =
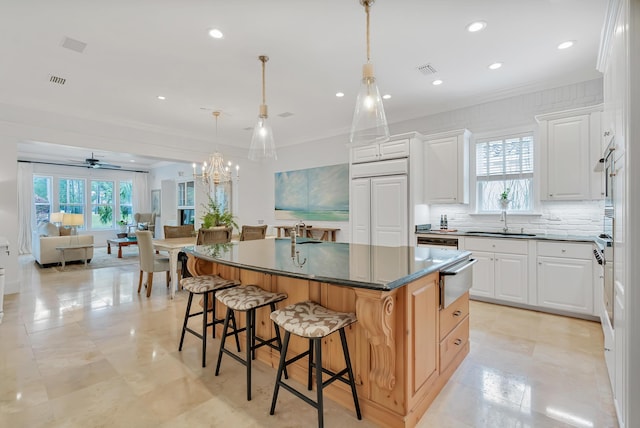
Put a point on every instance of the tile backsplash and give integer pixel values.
(582, 218)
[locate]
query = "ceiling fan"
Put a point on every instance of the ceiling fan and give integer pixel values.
(92, 162)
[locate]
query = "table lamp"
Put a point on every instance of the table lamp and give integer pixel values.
(56, 218)
(73, 220)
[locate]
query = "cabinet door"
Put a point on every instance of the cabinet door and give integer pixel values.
(364, 153)
(422, 317)
(394, 149)
(360, 211)
(511, 277)
(567, 158)
(565, 284)
(441, 170)
(389, 211)
(483, 276)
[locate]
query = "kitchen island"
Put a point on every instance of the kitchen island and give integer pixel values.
(404, 347)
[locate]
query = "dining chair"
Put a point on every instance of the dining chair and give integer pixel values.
(184, 231)
(149, 261)
(250, 233)
(218, 235)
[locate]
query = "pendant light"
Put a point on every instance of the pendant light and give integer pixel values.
(214, 171)
(262, 144)
(369, 121)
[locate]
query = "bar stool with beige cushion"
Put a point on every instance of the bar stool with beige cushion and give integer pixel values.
(248, 299)
(149, 261)
(207, 285)
(314, 322)
(250, 233)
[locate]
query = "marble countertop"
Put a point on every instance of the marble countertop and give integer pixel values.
(498, 234)
(353, 265)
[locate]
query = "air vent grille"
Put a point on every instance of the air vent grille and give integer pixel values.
(285, 114)
(427, 69)
(57, 80)
(73, 44)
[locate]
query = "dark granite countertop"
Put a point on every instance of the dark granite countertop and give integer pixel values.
(498, 234)
(353, 265)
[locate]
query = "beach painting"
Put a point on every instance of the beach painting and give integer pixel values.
(320, 194)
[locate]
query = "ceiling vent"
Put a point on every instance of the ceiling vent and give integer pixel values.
(73, 44)
(285, 114)
(248, 128)
(427, 69)
(57, 80)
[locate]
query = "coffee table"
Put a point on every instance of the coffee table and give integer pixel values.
(120, 242)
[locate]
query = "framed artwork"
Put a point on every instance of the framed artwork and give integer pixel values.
(155, 201)
(313, 194)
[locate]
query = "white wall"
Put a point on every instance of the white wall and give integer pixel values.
(8, 212)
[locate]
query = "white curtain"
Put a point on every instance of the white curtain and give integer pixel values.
(25, 199)
(141, 193)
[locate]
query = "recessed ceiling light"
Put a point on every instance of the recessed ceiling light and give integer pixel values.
(162, 97)
(339, 94)
(386, 96)
(216, 34)
(437, 82)
(495, 66)
(566, 45)
(476, 26)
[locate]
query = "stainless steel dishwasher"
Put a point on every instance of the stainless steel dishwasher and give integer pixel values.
(448, 243)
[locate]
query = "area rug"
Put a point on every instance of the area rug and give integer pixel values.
(101, 259)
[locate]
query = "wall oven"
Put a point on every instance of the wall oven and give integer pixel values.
(446, 243)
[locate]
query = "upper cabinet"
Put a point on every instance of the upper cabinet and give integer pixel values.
(446, 167)
(570, 143)
(394, 149)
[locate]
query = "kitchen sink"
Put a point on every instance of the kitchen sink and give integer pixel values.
(308, 242)
(515, 234)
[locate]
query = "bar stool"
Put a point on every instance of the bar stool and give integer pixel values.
(247, 299)
(314, 322)
(205, 285)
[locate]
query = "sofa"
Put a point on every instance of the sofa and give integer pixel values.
(48, 236)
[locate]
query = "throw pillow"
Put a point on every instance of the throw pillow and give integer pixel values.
(143, 226)
(65, 231)
(48, 229)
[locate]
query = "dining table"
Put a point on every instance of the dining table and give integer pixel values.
(173, 247)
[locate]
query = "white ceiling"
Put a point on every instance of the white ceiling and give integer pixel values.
(139, 49)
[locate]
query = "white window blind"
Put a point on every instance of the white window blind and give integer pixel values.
(505, 164)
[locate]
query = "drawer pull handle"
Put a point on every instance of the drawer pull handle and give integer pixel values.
(457, 342)
(457, 313)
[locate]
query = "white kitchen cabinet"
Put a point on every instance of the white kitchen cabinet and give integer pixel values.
(501, 271)
(565, 277)
(393, 149)
(379, 210)
(569, 150)
(446, 166)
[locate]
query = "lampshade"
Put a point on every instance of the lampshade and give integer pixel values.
(56, 217)
(262, 143)
(369, 121)
(73, 219)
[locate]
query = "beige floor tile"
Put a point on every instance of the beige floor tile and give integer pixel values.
(83, 349)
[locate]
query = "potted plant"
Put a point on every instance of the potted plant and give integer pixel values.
(504, 198)
(122, 226)
(215, 216)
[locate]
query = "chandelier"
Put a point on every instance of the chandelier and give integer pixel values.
(369, 121)
(214, 171)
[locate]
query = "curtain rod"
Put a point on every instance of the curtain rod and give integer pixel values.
(83, 166)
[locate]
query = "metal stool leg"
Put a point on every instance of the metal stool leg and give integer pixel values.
(235, 330)
(224, 337)
(186, 318)
(310, 366)
(318, 343)
(204, 329)
(250, 351)
(281, 366)
(352, 382)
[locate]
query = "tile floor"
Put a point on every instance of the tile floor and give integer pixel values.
(83, 349)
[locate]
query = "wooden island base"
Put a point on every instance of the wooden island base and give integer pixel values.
(403, 348)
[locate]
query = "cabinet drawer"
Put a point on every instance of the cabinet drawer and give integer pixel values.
(453, 343)
(453, 315)
(565, 249)
(514, 246)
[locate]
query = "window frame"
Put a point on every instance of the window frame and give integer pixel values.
(92, 205)
(51, 197)
(505, 134)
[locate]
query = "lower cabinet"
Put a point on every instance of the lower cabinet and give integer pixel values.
(501, 273)
(565, 277)
(454, 330)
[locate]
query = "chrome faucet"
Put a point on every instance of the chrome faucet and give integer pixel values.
(300, 226)
(503, 217)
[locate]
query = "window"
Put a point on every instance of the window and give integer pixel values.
(42, 198)
(72, 195)
(102, 204)
(505, 164)
(125, 201)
